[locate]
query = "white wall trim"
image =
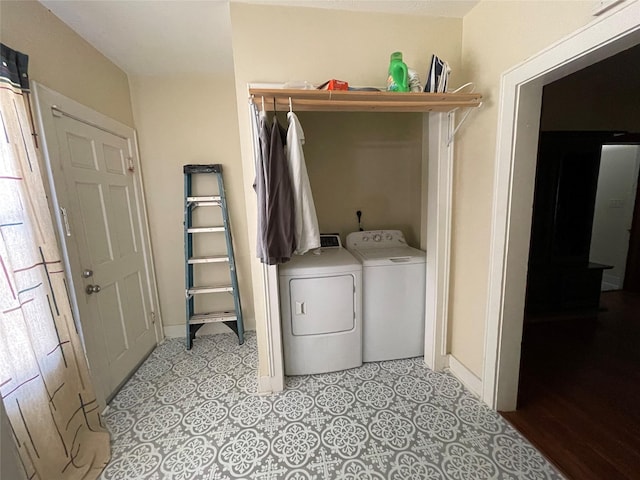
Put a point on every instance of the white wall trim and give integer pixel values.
(438, 246)
(472, 382)
(268, 385)
(613, 32)
(274, 382)
(154, 294)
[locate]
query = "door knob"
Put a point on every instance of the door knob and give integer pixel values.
(92, 289)
(87, 273)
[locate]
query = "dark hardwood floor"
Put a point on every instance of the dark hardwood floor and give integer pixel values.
(579, 398)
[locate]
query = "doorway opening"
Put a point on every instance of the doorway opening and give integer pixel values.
(577, 394)
(516, 158)
(517, 142)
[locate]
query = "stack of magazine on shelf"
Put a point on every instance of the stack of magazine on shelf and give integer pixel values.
(438, 76)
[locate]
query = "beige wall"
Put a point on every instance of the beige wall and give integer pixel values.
(370, 162)
(181, 120)
(277, 44)
(63, 61)
(496, 37)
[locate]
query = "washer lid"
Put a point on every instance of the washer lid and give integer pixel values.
(321, 261)
(371, 257)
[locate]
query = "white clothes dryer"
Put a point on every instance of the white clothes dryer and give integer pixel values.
(393, 294)
(321, 310)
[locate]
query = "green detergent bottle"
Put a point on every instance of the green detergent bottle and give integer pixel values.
(398, 80)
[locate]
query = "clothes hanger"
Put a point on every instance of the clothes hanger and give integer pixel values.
(290, 106)
(263, 104)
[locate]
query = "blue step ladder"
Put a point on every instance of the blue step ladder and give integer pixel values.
(195, 320)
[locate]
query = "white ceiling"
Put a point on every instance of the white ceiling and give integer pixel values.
(159, 37)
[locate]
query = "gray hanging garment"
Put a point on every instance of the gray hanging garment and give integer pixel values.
(280, 237)
(261, 149)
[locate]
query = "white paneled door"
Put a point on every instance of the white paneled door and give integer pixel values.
(101, 220)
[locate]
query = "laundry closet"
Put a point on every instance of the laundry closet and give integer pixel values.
(372, 163)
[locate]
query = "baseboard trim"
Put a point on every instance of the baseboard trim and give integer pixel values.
(466, 376)
(268, 385)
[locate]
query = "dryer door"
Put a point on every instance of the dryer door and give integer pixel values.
(322, 305)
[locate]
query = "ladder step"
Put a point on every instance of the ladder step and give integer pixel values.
(211, 289)
(213, 317)
(206, 198)
(205, 229)
(208, 201)
(215, 259)
(198, 168)
(205, 204)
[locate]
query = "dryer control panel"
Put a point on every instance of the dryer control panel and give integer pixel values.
(330, 240)
(375, 239)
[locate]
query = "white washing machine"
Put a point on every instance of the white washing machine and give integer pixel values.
(393, 294)
(321, 310)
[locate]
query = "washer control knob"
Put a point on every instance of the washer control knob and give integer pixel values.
(377, 237)
(388, 236)
(365, 239)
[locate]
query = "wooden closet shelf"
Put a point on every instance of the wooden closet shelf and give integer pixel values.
(359, 101)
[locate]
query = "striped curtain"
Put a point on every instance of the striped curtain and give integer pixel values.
(44, 379)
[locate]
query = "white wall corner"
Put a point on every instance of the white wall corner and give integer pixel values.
(472, 382)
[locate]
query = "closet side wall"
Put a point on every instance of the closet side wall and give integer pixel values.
(280, 44)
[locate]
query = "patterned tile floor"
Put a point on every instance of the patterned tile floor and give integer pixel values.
(196, 415)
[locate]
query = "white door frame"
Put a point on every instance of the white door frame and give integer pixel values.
(516, 148)
(46, 99)
(436, 215)
(436, 222)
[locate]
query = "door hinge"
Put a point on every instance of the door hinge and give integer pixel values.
(132, 167)
(153, 317)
